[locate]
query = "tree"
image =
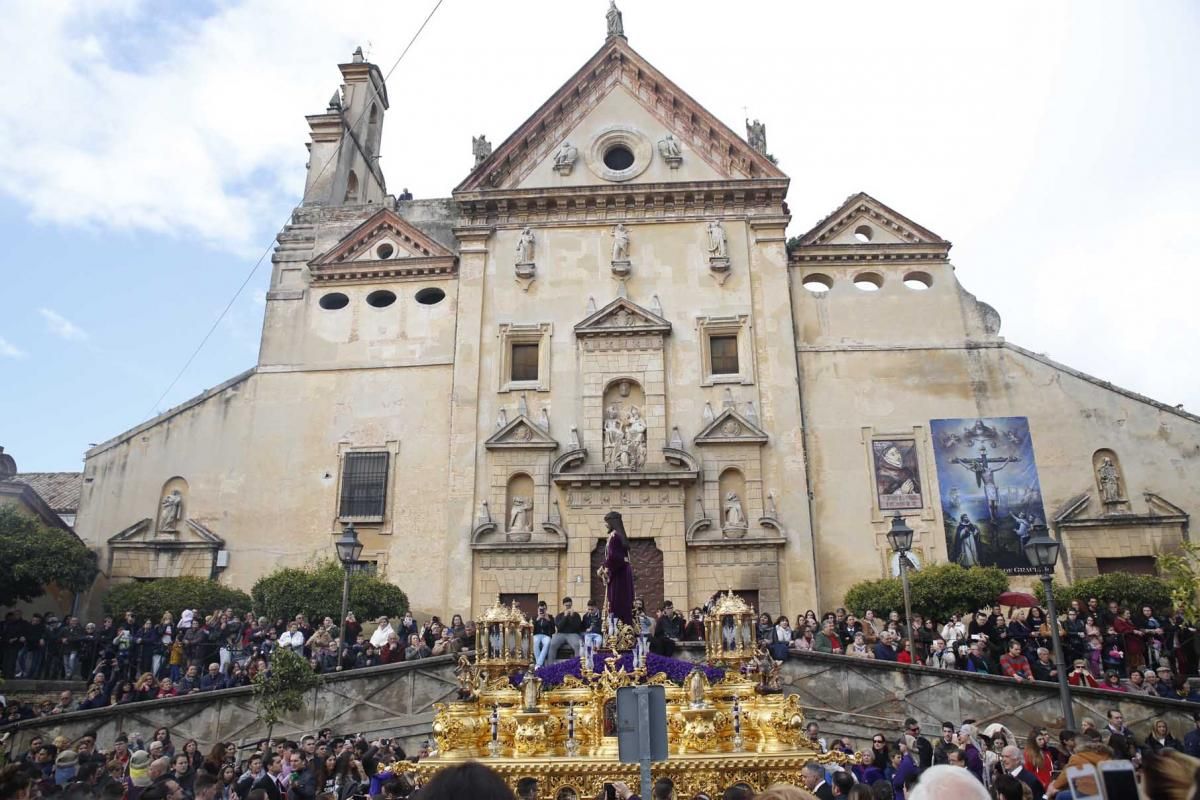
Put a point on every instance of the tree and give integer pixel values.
(280, 689)
(937, 591)
(1126, 588)
(316, 592)
(36, 555)
(1181, 572)
(152, 598)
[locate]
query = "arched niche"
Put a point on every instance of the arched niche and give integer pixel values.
(1110, 480)
(351, 187)
(172, 505)
(624, 425)
(518, 503)
(732, 487)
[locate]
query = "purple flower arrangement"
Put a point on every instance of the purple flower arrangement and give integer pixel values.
(676, 670)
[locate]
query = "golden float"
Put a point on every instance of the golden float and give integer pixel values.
(739, 728)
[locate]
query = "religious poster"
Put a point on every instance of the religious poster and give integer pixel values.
(897, 476)
(991, 497)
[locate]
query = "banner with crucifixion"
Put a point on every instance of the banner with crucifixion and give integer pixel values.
(991, 497)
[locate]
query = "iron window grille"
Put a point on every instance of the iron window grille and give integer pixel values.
(364, 485)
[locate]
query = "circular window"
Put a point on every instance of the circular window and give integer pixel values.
(818, 283)
(381, 298)
(333, 301)
(618, 158)
(430, 296)
(864, 233)
(918, 281)
(385, 250)
(619, 153)
(868, 281)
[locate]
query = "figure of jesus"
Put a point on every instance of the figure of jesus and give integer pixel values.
(985, 476)
(617, 572)
(525, 246)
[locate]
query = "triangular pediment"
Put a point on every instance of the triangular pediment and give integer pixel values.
(730, 427)
(864, 221)
(385, 245)
(521, 433)
(190, 534)
(622, 316)
(617, 86)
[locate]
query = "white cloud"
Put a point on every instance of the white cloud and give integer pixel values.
(62, 327)
(10, 350)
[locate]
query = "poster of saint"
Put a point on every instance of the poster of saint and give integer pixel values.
(991, 497)
(897, 476)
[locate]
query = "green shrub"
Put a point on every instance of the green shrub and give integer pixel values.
(1127, 589)
(316, 592)
(35, 555)
(280, 690)
(938, 590)
(152, 598)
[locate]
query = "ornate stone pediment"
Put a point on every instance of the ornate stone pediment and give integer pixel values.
(622, 317)
(385, 246)
(521, 434)
(617, 68)
(1086, 511)
(839, 227)
(192, 534)
(730, 427)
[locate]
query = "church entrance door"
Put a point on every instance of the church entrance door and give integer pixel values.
(647, 562)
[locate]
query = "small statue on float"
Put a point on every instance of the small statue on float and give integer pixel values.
(466, 678)
(531, 691)
(768, 670)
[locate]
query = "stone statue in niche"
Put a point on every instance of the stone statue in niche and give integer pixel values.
(520, 518)
(170, 511)
(756, 135)
(1110, 481)
(525, 246)
(718, 246)
(616, 27)
(735, 517)
(620, 245)
(624, 439)
(564, 159)
(481, 148)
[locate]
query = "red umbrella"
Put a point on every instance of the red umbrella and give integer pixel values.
(1017, 599)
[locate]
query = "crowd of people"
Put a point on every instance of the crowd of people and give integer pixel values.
(963, 763)
(127, 660)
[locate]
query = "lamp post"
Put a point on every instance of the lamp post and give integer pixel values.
(1042, 552)
(900, 537)
(349, 548)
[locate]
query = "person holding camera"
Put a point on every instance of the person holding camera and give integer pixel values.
(693, 631)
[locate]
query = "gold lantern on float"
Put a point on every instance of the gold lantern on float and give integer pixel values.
(503, 642)
(729, 633)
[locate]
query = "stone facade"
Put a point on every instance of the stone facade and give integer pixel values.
(601, 317)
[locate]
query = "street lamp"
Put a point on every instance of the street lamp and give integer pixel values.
(1042, 552)
(900, 537)
(349, 548)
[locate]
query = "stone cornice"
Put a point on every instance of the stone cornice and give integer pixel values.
(857, 255)
(607, 205)
(651, 475)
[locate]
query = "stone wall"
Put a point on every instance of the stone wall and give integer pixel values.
(846, 696)
(395, 700)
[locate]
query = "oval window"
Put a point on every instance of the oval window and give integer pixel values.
(385, 250)
(430, 296)
(818, 283)
(333, 301)
(381, 298)
(618, 158)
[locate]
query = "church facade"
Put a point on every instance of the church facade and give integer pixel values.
(606, 313)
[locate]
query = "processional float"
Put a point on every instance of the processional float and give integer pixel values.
(727, 719)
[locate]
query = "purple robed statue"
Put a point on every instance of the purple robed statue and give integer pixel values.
(620, 573)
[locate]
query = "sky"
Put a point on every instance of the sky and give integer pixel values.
(149, 152)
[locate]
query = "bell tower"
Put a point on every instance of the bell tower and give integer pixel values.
(343, 156)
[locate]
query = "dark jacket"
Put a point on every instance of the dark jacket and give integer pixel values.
(569, 623)
(267, 783)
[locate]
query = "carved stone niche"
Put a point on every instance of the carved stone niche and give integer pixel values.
(518, 510)
(1110, 482)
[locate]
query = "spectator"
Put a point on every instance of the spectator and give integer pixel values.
(859, 647)
(568, 627)
(1160, 737)
(968, 744)
(813, 779)
(694, 630)
(543, 634)
(1043, 668)
(940, 657)
(1038, 758)
(1191, 740)
(917, 744)
(885, 650)
(1088, 752)
(1014, 664)
(213, 679)
(383, 630)
(593, 626)
(827, 641)
(416, 648)
(1079, 675)
(946, 743)
(948, 782)
(976, 660)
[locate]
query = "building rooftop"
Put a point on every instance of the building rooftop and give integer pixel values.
(60, 490)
